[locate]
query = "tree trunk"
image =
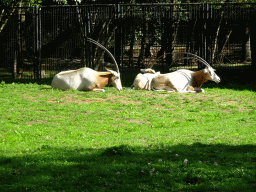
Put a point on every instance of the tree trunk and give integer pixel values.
(18, 48)
(6, 13)
(246, 51)
(222, 36)
(253, 44)
(215, 43)
(220, 52)
(131, 64)
(83, 35)
(163, 38)
(142, 45)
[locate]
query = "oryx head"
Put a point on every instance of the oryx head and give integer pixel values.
(211, 74)
(115, 80)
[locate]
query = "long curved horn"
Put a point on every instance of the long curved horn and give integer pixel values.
(196, 57)
(113, 58)
(183, 58)
(168, 54)
(158, 59)
(190, 54)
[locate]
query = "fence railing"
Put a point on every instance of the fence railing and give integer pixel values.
(38, 42)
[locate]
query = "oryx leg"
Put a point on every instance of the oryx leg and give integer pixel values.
(167, 89)
(197, 89)
(191, 89)
(98, 90)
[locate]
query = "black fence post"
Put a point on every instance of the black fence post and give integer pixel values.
(86, 46)
(170, 38)
(202, 40)
(208, 37)
(37, 43)
(167, 38)
(118, 48)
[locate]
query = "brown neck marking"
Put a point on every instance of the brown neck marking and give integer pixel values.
(103, 79)
(199, 78)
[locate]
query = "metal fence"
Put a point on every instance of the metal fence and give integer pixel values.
(38, 42)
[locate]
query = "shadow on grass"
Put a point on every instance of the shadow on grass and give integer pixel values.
(196, 167)
(45, 81)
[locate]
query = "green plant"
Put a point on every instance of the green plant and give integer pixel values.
(52, 140)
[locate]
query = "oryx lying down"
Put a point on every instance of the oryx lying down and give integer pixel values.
(143, 81)
(87, 79)
(185, 81)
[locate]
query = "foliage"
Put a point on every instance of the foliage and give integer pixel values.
(13, 3)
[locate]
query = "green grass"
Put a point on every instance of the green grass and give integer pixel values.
(52, 140)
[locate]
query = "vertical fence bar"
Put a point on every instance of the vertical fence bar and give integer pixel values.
(17, 46)
(86, 51)
(202, 37)
(118, 52)
(37, 67)
(208, 38)
(34, 40)
(39, 44)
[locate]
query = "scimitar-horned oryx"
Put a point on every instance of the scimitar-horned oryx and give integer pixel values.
(87, 79)
(185, 81)
(143, 81)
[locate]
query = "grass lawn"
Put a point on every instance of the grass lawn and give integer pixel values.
(52, 140)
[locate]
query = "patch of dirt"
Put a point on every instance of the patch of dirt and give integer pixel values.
(68, 100)
(143, 139)
(137, 121)
(243, 110)
(35, 121)
(129, 102)
(65, 100)
(86, 101)
(29, 98)
(116, 125)
(226, 111)
(100, 133)
(122, 99)
(231, 102)
(151, 94)
(156, 107)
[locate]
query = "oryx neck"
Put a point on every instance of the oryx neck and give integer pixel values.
(199, 78)
(104, 78)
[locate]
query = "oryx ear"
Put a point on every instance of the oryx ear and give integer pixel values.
(113, 72)
(206, 70)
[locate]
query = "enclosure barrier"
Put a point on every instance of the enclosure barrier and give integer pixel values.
(38, 42)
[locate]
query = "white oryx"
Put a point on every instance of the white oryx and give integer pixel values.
(185, 81)
(87, 79)
(143, 81)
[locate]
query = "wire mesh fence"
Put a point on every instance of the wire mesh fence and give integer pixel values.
(38, 42)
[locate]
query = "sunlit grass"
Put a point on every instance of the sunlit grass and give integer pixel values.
(52, 140)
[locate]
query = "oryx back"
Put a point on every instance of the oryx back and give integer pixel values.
(143, 81)
(81, 79)
(176, 81)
